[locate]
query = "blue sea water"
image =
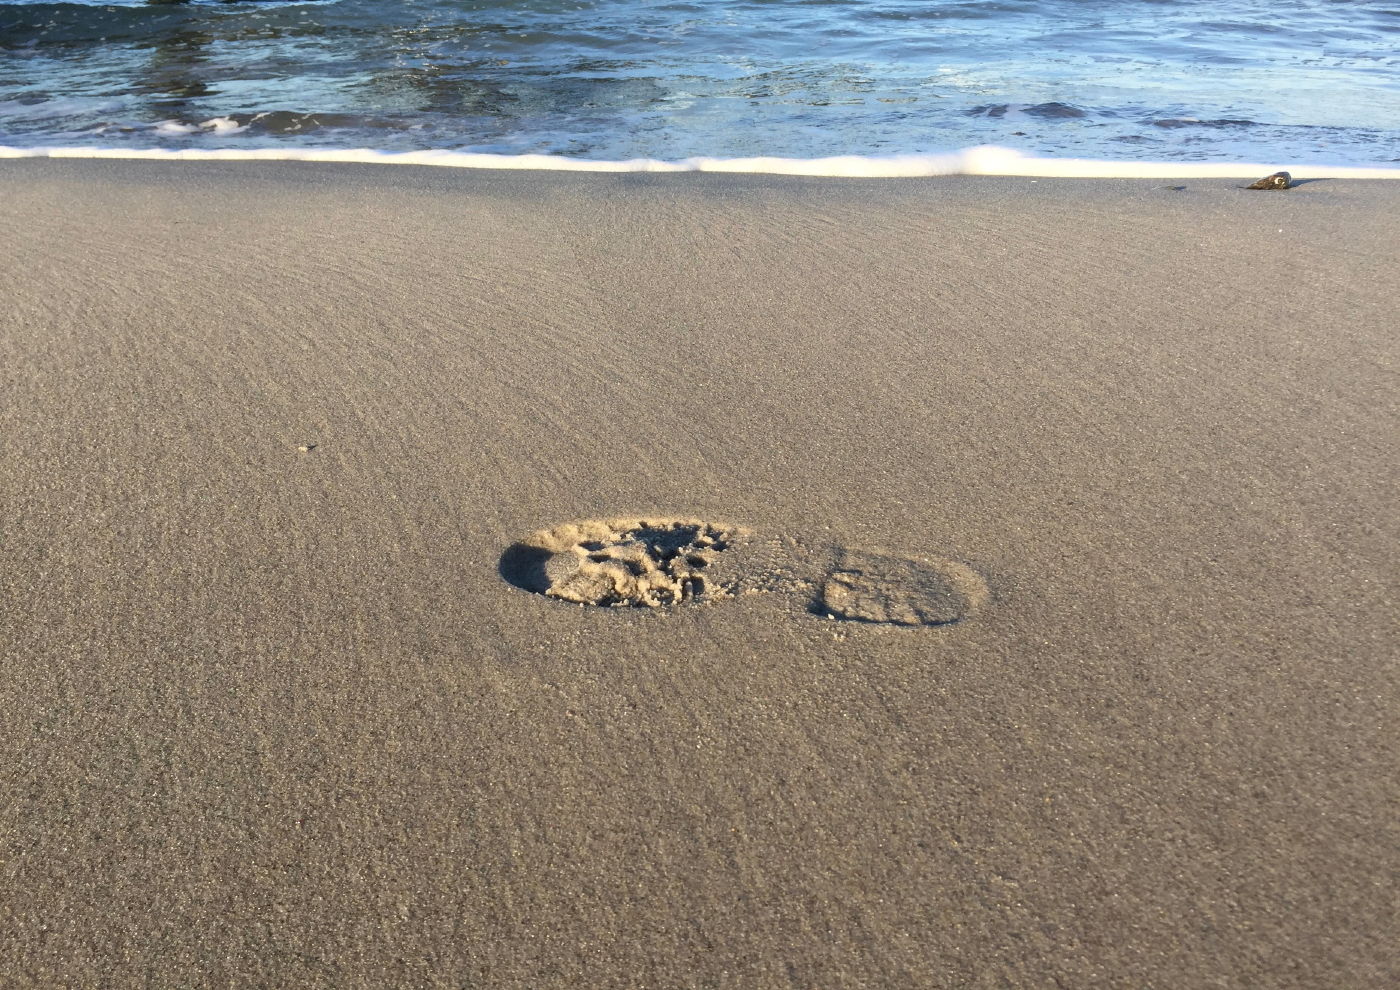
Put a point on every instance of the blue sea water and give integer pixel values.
(1135, 80)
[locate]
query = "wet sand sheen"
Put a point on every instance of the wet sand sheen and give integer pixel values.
(1056, 642)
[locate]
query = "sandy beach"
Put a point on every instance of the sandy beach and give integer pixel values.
(1051, 638)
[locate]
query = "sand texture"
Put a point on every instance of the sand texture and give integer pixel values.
(434, 578)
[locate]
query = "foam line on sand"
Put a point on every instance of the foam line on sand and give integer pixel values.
(981, 160)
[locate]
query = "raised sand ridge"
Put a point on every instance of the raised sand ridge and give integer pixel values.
(620, 562)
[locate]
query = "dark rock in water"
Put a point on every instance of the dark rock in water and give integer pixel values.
(1279, 180)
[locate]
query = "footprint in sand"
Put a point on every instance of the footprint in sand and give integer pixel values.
(659, 563)
(870, 587)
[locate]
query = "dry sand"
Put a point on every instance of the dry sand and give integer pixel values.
(273, 717)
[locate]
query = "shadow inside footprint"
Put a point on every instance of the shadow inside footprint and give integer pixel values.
(525, 567)
(875, 588)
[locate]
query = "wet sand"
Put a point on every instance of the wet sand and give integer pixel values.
(278, 716)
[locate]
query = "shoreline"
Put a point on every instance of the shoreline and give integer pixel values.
(988, 160)
(283, 707)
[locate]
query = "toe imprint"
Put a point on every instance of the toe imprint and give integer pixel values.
(868, 587)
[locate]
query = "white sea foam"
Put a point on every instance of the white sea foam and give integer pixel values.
(218, 125)
(175, 127)
(981, 160)
(224, 125)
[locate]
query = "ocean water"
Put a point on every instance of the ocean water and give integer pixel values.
(1286, 81)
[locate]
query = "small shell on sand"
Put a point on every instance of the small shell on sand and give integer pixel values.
(1279, 180)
